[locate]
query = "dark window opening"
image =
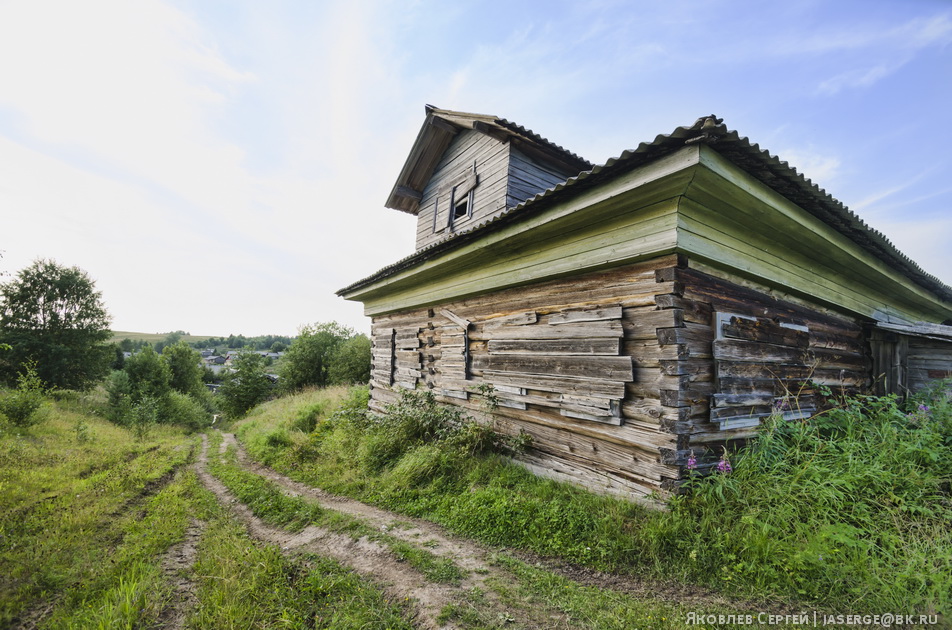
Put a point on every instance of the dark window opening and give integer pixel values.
(461, 207)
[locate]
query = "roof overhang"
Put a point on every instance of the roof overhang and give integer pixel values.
(725, 155)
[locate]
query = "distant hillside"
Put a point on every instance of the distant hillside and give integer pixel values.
(119, 335)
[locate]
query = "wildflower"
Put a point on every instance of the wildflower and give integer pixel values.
(724, 464)
(924, 408)
(692, 462)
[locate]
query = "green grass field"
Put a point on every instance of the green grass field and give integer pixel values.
(119, 335)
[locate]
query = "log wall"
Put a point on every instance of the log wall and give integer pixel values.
(620, 375)
(576, 363)
(750, 354)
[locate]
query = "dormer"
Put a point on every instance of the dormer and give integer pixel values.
(465, 169)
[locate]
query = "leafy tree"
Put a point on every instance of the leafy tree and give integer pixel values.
(246, 386)
(309, 357)
(351, 363)
(186, 367)
(279, 346)
(149, 375)
(119, 358)
(53, 315)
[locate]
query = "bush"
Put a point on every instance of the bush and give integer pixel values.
(119, 397)
(145, 414)
(246, 386)
(21, 406)
(307, 417)
(182, 409)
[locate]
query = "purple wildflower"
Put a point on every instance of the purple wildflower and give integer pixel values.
(692, 462)
(724, 465)
(924, 408)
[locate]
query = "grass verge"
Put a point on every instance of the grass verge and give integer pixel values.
(69, 490)
(848, 510)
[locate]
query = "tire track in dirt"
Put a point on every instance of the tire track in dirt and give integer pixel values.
(472, 556)
(366, 557)
(176, 566)
(466, 554)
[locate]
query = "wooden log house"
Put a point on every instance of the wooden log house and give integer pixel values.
(630, 314)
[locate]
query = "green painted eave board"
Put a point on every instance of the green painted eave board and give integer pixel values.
(731, 220)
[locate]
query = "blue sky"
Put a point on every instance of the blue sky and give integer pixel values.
(221, 167)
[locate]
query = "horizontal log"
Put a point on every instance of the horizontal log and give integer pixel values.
(574, 330)
(645, 325)
(743, 369)
(515, 319)
(608, 347)
(586, 315)
(691, 310)
(649, 352)
(697, 369)
(644, 409)
(742, 400)
(763, 330)
(561, 384)
(407, 356)
(607, 368)
(694, 335)
(584, 415)
(736, 350)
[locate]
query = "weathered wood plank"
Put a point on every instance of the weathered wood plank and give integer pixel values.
(584, 330)
(692, 310)
(735, 350)
(585, 386)
(515, 319)
(765, 331)
(555, 346)
(645, 325)
(586, 315)
(608, 368)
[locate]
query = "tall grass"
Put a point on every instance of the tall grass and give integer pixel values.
(847, 510)
(850, 507)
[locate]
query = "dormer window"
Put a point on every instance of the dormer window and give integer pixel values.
(460, 194)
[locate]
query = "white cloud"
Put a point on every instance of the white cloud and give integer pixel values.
(819, 168)
(131, 84)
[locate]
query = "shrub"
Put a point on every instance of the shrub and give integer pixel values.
(119, 397)
(145, 414)
(307, 417)
(182, 409)
(22, 404)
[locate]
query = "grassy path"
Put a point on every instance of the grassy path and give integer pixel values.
(494, 588)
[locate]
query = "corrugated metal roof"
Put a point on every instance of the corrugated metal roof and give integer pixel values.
(767, 168)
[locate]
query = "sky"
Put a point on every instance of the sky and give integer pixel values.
(220, 167)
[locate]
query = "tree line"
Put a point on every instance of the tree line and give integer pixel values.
(54, 334)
